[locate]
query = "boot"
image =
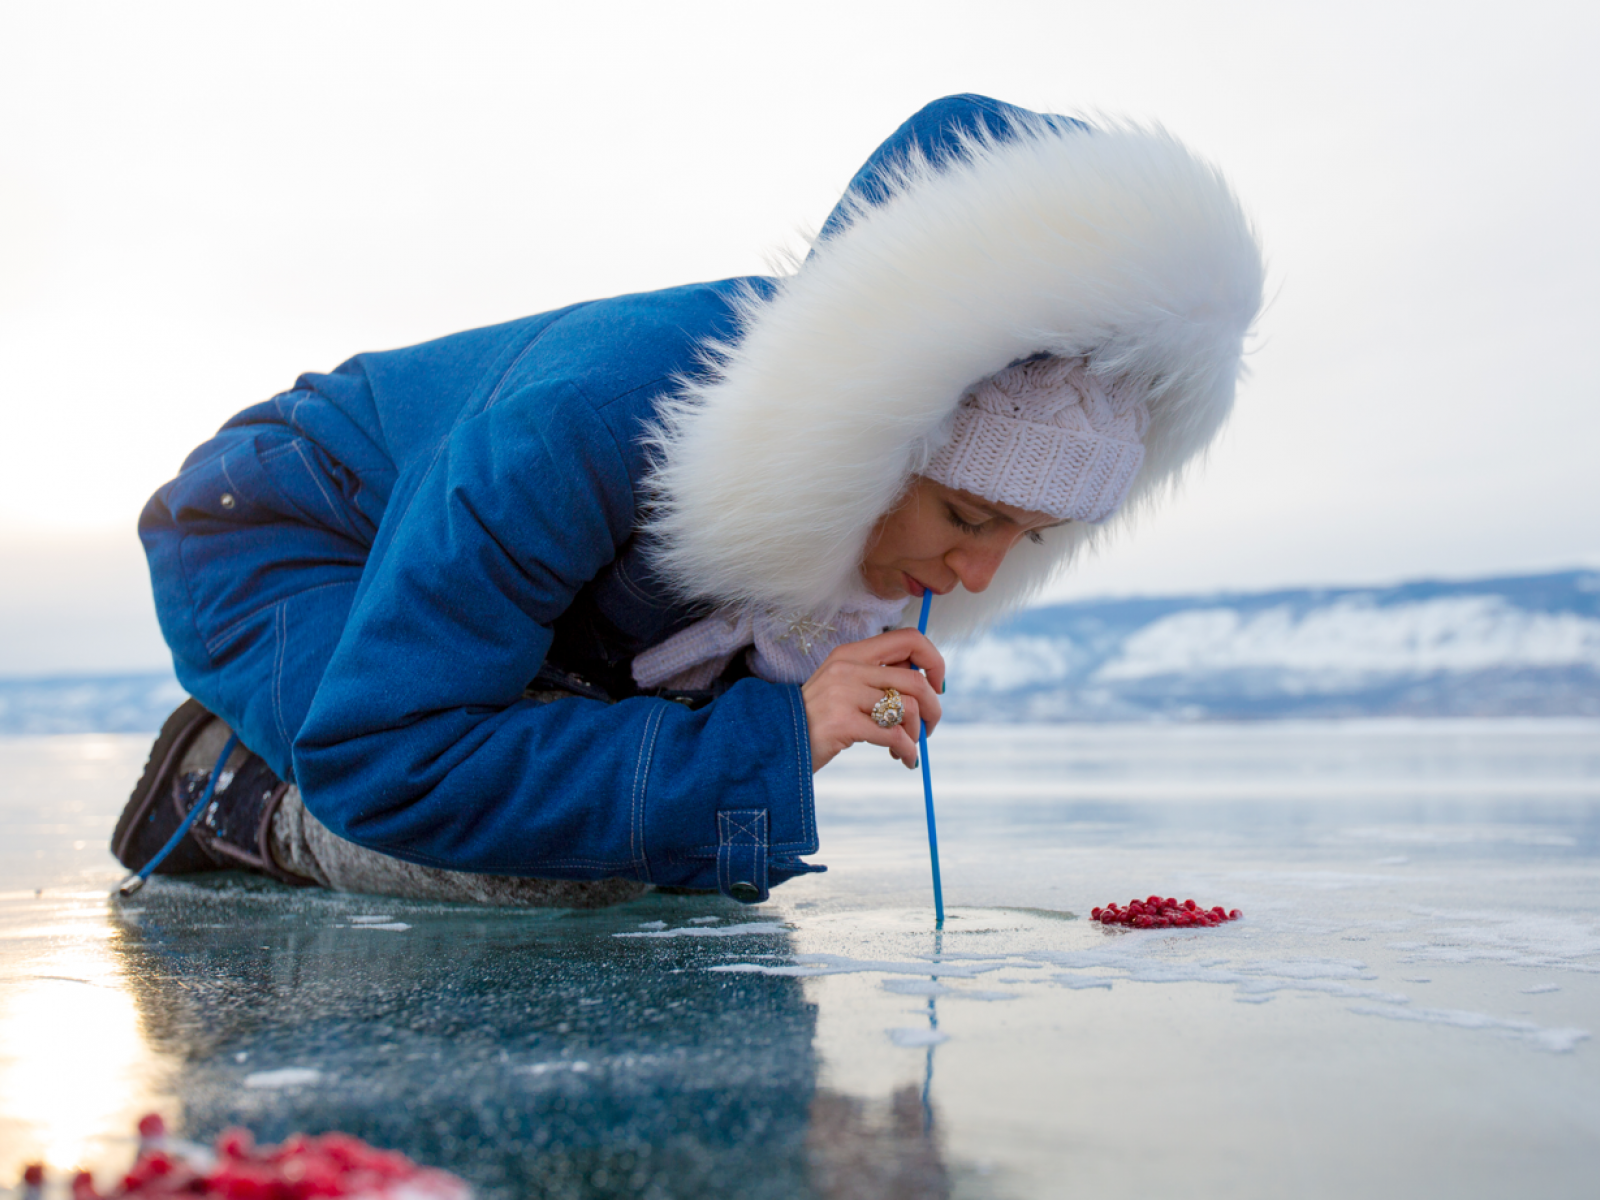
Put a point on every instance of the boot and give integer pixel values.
(234, 831)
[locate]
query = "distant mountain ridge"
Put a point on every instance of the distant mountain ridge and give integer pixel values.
(1516, 646)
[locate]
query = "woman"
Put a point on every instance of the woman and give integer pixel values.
(590, 596)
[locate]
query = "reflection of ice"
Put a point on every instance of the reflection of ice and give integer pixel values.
(73, 1064)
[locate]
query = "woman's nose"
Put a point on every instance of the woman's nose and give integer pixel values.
(975, 567)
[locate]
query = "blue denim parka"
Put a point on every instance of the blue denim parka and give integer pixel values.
(365, 574)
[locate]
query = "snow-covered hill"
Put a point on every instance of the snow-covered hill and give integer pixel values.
(1515, 646)
(1526, 646)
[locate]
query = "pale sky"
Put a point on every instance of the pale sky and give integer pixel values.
(200, 201)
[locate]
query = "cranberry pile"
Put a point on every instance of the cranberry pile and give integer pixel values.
(1156, 913)
(334, 1164)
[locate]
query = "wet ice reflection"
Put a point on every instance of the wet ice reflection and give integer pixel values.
(76, 1070)
(1406, 1007)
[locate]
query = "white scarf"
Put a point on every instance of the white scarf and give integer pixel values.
(784, 647)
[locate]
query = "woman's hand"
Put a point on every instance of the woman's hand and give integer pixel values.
(839, 696)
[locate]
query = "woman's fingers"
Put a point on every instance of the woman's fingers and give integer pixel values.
(840, 696)
(898, 646)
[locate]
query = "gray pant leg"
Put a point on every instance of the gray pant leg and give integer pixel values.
(306, 846)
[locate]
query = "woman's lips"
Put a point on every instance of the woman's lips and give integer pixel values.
(916, 587)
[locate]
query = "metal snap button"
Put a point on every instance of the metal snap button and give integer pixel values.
(747, 892)
(227, 500)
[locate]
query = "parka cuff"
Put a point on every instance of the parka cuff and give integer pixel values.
(754, 800)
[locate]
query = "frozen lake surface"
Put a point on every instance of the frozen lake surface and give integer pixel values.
(1406, 1008)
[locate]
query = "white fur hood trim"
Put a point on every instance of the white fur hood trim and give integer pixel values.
(1116, 243)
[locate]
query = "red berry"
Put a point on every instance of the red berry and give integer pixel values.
(1156, 912)
(33, 1174)
(83, 1187)
(152, 1126)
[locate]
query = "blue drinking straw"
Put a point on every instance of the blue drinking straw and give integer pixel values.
(927, 786)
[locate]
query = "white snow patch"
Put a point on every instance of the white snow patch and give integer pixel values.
(1539, 989)
(1354, 637)
(703, 931)
(1557, 1041)
(652, 924)
(545, 1068)
(805, 965)
(915, 987)
(917, 1037)
(285, 1077)
(374, 919)
(1523, 939)
(704, 920)
(1335, 976)
(391, 926)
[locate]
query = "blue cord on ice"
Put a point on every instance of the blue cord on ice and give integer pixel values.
(927, 785)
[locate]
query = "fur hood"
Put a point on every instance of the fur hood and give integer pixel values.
(953, 255)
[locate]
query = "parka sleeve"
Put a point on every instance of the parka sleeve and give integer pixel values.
(420, 744)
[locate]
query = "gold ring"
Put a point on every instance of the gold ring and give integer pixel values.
(889, 711)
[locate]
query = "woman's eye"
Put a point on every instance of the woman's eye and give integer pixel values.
(961, 524)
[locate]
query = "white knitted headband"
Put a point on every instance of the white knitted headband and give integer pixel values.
(1049, 435)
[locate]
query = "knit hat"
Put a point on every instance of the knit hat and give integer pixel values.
(1049, 435)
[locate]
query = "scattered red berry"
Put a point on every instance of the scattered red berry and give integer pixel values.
(1156, 912)
(302, 1168)
(33, 1175)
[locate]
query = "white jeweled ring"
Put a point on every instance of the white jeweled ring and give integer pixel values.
(889, 711)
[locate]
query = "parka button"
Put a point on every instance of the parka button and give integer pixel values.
(746, 892)
(227, 500)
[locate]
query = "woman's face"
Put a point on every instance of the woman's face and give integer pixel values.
(936, 537)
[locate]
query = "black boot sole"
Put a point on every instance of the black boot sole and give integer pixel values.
(153, 811)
